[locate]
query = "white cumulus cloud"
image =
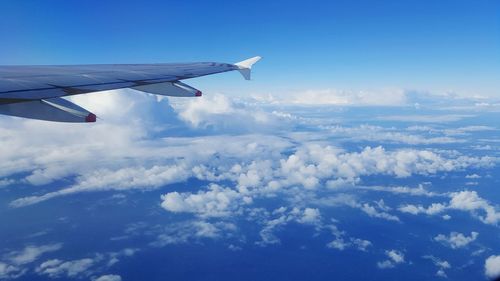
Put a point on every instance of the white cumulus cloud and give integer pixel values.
(394, 257)
(456, 240)
(468, 201)
(492, 267)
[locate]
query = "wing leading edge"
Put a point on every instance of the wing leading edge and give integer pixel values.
(37, 92)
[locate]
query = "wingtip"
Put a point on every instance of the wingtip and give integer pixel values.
(248, 62)
(245, 67)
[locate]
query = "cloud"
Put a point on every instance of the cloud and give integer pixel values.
(441, 118)
(31, 253)
(84, 267)
(216, 202)
(244, 175)
(218, 113)
(8, 271)
(56, 268)
(6, 182)
(341, 242)
(251, 160)
(282, 217)
(468, 201)
(456, 240)
(267, 234)
(121, 179)
(167, 161)
(108, 277)
(378, 211)
(386, 135)
(442, 265)
(322, 97)
(413, 191)
(15, 262)
(434, 208)
(331, 162)
(193, 231)
(492, 267)
(394, 257)
(309, 166)
(310, 216)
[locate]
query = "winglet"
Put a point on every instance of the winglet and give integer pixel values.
(245, 67)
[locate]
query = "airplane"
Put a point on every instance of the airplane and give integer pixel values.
(37, 92)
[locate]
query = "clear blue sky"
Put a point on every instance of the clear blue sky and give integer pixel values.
(434, 45)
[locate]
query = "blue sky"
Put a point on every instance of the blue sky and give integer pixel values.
(426, 45)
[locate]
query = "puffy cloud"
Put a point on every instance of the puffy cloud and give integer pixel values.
(319, 162)
(199, 109)
(434, 208)
(339, 244)
(216, 202)
(470, 201)
(313, 164)
(253, 161)
(310, 216)
(308, 167)
(456, 240)
(492, 267)
(379, 211)
(108, 277)
(394, 257)
(176, 160)
(219, 113)
(465, 200)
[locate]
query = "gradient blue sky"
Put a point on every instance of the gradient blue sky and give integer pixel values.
(425, 45)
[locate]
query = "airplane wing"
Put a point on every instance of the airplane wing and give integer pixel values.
(37, 91)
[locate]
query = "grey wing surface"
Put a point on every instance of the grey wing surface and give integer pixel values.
(37, 91)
